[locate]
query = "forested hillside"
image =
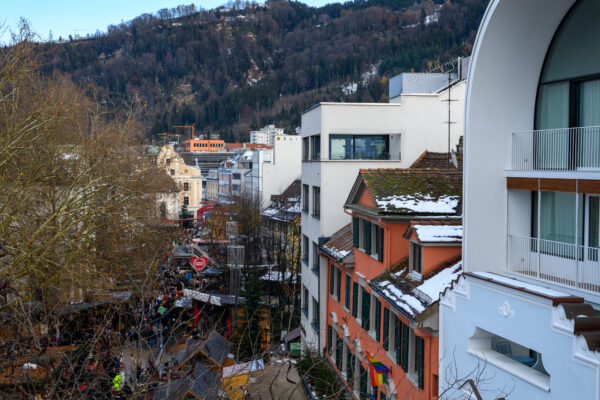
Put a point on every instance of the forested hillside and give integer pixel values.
(232, 69)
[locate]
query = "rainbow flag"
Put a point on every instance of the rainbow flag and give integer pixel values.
(379, 372)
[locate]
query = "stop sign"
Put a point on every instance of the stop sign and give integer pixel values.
(199, 263)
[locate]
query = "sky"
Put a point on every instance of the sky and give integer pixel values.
(82, 17)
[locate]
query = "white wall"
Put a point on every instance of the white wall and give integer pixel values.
(507, 60)
(533, 323)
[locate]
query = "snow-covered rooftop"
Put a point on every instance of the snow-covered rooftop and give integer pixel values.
(521, 285)
(414, 297)
(439, 233)
(419, 203)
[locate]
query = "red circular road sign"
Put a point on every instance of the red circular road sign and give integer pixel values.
(199, 263)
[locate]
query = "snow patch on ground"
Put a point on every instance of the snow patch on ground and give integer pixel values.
(350, 88)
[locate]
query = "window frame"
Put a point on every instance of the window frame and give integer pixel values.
(316, 198)
(416, 265)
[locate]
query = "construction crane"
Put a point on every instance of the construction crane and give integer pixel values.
(167, 135)
(190, 127)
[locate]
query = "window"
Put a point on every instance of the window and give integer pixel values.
(305, 249)
(356, 231)
(315, 259)
(401, 342)
(172, 172)
(366, 236)
(339, 355)
(237, 175)
(305, 198)
(186, 200)
(377, 318)
(347, 290)
(186, 186)
(377, 249)
(315, 147)
(305, 149)
(359, 147)
(329, 340)
(568, 95)
(510, 356)
(168, 161)
(415, 257)
(316, 314)
(316, 201)
(305, 302)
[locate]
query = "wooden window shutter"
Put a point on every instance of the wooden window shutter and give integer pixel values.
(386, 328)
(367, 237)
(366, 308)
(331, 278)
(405, 335)
(355, 299)
(377, 319)
(420, 354)
(329, 338)
(355, 228)
(338, 274)
(398, 338)
(379, 243)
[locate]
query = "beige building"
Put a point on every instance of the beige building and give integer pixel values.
(187, 177)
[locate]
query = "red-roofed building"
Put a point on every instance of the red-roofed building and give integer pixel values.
(385, 273)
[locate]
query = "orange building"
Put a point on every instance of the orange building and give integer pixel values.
(385, 273)
(204, 145)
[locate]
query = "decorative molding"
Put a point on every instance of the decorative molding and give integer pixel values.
(560, 322)
(463, 288)
(505, 311)
(583, 354)
(448, 300)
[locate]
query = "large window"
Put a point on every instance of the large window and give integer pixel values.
(359, 147)
(315, 147)
(569, 95)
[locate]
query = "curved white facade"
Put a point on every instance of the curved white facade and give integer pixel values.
(507, 61)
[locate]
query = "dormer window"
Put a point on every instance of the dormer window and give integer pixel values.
(416, 258)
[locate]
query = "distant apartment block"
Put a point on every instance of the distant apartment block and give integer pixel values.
(266, 135)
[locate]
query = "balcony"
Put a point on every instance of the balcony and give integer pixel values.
(568, 149)
(565, 264)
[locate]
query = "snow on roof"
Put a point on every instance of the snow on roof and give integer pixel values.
(521, 285)
(340, 244)
(269, 212)
(414, 298)
(419, 203)
(439, 233)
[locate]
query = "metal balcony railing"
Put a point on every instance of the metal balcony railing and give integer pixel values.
(561, 263)
(568, 149)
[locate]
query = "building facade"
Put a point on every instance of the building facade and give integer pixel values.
(339, 139)
(525, 311)
(385, 273)
(266, 135)
(204, 145)
(273, 170)
(187, 177)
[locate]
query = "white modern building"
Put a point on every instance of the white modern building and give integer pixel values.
(266, 135)
(521, 323)
(339, 139)
(273, 170)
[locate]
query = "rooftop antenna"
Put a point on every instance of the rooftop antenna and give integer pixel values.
(450, 68)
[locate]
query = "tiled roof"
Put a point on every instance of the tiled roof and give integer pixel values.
(431, 160)
(340, 245)
(415, 191)
(292, 191)
(414, 297)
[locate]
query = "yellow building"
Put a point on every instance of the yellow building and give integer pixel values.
(187, 177)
